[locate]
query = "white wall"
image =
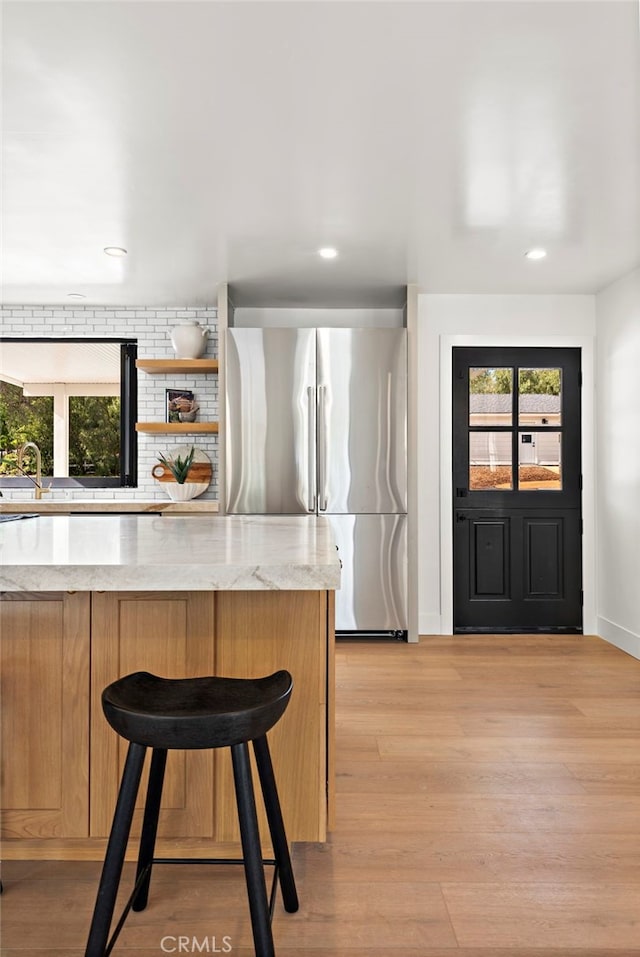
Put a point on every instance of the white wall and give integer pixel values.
(151, 326)
(618, 462)
(486, 320)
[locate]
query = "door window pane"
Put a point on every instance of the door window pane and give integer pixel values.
(490, 460)
(540, 461)
(490, 396)
(539, 397)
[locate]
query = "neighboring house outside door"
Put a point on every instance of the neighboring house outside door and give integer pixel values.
(537, 447)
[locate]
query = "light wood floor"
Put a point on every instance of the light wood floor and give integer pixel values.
(488, 806)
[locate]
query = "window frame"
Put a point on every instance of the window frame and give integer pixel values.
(128, 477)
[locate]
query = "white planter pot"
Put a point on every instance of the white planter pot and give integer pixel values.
(182, 493)
(189, 339)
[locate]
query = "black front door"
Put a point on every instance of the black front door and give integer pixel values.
(517, 490)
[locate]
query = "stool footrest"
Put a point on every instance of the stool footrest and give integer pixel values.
(266, 861)
(206, 860)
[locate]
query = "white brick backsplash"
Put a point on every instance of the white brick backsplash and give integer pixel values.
(151, 326)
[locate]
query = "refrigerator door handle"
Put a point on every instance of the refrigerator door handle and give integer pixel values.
(311, 439)
(322, 450)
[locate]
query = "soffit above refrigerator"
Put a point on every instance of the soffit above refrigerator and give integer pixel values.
(259, 317)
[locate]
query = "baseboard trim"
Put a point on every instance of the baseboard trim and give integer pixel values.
(620, 637)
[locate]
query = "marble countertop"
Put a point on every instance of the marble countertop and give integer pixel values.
(167, 552)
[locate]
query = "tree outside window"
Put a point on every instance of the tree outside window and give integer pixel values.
(94, 432)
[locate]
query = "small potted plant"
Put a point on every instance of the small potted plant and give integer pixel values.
(179, 467)
(183, 488)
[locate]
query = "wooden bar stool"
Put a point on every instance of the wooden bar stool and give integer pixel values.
(195, 713)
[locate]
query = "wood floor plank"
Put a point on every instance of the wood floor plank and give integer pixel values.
(562, 750)
(545, 915)
(460, 702)
(370, 722)
(545, 726)
(622, 708)
(607, 777)
(528, 813)
(407, 774)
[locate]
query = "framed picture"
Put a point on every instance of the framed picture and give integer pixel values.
(177, 401)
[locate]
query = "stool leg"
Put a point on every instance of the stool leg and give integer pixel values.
(252, 852)
(116, 847)
(276, 824)
(150, 826)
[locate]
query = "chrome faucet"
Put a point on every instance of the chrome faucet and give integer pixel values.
(37, 481)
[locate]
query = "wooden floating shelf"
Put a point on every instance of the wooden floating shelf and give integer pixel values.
(178, 428)
(167, 366)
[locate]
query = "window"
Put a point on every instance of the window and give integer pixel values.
(528, 420)
(76, 399)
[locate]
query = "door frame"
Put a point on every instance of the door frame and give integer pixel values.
(586, 346)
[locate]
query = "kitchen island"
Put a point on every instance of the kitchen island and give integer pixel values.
(86, 599)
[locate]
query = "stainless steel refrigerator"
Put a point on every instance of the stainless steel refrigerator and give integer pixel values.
(316, 422)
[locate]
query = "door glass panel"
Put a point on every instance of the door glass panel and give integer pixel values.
(540, 461)
(540, 397)
(490, 460)
(490, 396)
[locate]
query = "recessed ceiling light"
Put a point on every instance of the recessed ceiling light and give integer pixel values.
(115, 251)
(76, 295)
(536, 253)
(328, 252)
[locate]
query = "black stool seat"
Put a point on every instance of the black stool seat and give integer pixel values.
(166, 714)
(195, 713)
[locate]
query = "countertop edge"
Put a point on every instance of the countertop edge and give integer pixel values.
(80, 578)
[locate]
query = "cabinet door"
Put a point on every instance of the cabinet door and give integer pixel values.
(44, 658)
(170, 634)
(258, 633)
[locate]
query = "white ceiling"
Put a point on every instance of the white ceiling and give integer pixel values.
(431, 142)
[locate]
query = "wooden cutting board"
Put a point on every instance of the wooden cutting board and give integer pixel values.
(199, 472)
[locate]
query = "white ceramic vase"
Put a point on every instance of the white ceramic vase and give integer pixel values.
(184, 492)
(189, 339)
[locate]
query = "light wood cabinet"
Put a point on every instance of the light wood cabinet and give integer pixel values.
(59, 651)
(259, 633)
(170, 634)
(44, 658)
